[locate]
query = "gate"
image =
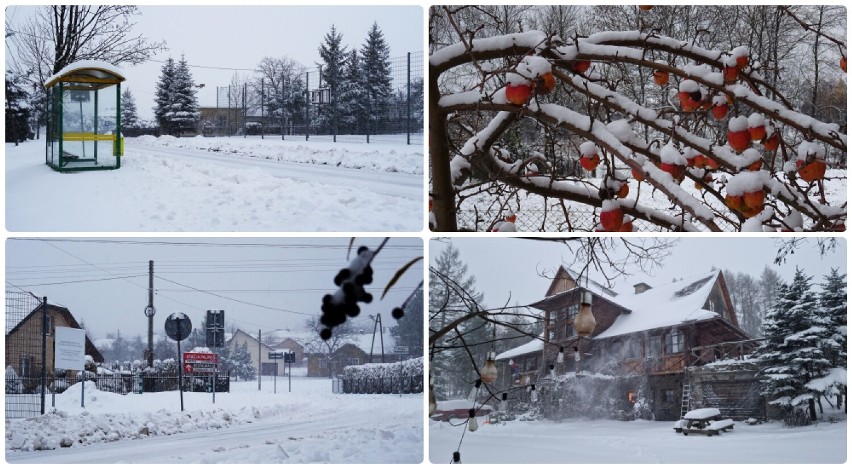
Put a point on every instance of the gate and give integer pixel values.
(26, 353)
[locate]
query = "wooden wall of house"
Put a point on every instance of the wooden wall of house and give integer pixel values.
(735, 392)
(661, 386)
(27, 341)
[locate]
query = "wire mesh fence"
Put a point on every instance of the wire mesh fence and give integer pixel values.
(551, 220)
(292, 107)
(375, 385)
(26, 350)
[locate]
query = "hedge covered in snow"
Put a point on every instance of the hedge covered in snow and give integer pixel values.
(405, 377)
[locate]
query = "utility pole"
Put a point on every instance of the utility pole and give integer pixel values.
(149, 312)
(259, 358)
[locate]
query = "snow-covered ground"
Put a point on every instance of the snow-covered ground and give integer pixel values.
(221, 185)
(637, 442)
(310, 424)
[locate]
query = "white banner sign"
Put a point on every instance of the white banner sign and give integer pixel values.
(69, 348)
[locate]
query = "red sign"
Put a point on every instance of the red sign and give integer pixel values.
(187, 368)
(196, 357)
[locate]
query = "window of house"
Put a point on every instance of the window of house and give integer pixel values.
(569, 330)
(323, 363)
(25, 365)
(48, 324)
(655, 347)
(668, 396)
(572, 311)
(674, 343)
(633, 347)
(353, 361)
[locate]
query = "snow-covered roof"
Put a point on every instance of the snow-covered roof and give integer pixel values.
(664, 306)
(87, 71)
(536, 345)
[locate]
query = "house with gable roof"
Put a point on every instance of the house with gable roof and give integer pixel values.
(665, 334)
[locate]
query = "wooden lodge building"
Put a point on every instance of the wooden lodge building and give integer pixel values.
(672, 339)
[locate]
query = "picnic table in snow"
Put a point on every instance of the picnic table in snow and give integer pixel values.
(708, 421)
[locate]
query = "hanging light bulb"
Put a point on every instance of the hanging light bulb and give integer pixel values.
(576, 354)
(472, 424)
(456, 457)
(488, 373)
(552, 371)
(475, 391)
(533, 394)
(561, 356)
(584, 323)
(502, 406)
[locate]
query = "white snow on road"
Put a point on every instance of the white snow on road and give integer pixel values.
(309, 424)
(178, 185)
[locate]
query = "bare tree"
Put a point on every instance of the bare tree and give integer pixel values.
(58, 35)
(343, 334)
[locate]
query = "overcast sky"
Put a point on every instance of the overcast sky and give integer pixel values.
(507, 268)
(261, 283)
(238, 37)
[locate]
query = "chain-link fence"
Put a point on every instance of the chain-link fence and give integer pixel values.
(296, 107)
(552, 220)
(25, 377)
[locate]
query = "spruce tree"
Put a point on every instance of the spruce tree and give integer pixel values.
(163, 95)
(408, 331)
(453, 296)
(129, 116)
(333, 54)
(183, 107)
(377, 76)
(240, 363)
(352, 98)
(834, 306)
(17, 110)
(792, 356)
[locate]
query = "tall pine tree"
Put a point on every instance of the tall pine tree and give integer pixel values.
(129, 116)
(834, 306)
(163, 95)
(334, 56)
(17, 110)
(792, 356)
(375, 53)
(183, 108)
(453, 296)
(353, 96)
(408, 331)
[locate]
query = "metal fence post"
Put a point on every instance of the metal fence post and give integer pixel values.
(307, 105)
(408, 101)
(43, 350)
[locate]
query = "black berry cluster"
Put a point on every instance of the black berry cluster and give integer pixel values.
(344, 302)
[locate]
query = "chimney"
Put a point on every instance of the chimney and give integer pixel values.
(641, 287)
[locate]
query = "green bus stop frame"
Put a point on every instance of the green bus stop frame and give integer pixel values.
(80, 82)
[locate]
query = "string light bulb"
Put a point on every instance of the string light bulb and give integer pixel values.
(533, 394)
(584, 323)
(576, 354)
(561, 356)
(488, 373)
(552, 371)
(475, 391)
(503, 405)
(456, 457)
(472, 424)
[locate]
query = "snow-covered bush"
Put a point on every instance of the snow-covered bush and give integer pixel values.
(384, 378)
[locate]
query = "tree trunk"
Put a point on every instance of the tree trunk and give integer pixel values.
(812, 409)
(443, 198)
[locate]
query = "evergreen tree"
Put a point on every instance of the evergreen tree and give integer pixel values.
(408, 330)
(163, 95)
(129, 116)
(165, 349)
(377, 76)
(182, 112)
(768, 292)
(792, 356)
(240, 363)
(333, 54)
(453, 295)
(17, 110)
(353, 98)
(834, 306)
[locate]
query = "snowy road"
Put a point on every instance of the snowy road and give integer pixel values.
(386, 183)
(202, 446)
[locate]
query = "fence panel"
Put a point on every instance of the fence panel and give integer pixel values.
(387, 385)
(25, 354)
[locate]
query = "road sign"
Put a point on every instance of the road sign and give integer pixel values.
(178, 326)
(69, 348)
(200, 357)
(215, 333)
(290, 357)
(276, 355)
